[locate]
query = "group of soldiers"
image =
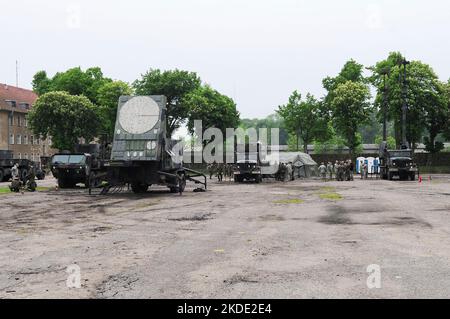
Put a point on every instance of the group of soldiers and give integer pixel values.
(341, 170)
(285, 172)
(220, 170)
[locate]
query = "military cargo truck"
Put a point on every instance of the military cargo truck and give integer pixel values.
(25, 165)
(395, 163)
(248, 163)
(85, 166)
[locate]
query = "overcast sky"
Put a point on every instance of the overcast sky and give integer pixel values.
(255, 51)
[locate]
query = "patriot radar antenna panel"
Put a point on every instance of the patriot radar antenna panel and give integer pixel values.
(139, 115)
(140, 128)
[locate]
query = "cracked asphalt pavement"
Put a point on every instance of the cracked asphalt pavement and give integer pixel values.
(272, 240)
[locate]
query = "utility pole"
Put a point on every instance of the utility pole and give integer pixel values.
(404, 81)
(385, 72)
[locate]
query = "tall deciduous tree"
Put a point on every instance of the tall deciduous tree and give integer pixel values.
(351, 71)
(269, 122)
(303, 119)
(175, 85)
(74, 81)
(65, 118)
(108, 97)
(425, 100)
(350, 108)
(212, 108)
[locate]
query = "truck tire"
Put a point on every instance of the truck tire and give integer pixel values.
(390, 176)
(2, 175)
(413, 176)
(139, 188)
(66, 183)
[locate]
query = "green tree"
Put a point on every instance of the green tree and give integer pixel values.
(175, 85)
(390, 141)
(74, 81)
(41, 83)
(446, 130)
(334, 144)
(65, 118)
(351, 71)
(212, 108)
(108, 97)
(425, 99)
(270, 122)
(303, 119)
(350, 108)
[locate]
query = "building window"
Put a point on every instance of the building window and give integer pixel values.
(24, 105)
(25, 139)
(25, 156)
(18, 120)
(31, 139)
(10, 120)
(11, 103)
(19, 139)
(11, 139)
(20, 155)
(25, 121)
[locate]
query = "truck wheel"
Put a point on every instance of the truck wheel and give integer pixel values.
(413, 176)
(139, 188)
(390, 176)
(61, 183)
(65, 183)
(2, 175)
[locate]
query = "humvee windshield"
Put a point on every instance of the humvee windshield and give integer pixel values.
(69, 159)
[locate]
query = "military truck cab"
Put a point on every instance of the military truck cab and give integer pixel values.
(247, 170)
(71, 169)
(398, 163)
(247, 162)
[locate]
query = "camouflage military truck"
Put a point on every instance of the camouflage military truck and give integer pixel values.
(83, 166)
(397, 163)
(248, 163)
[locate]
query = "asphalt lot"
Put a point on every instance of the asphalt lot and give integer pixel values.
(303, 239)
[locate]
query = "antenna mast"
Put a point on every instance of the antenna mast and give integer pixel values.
(17, 73)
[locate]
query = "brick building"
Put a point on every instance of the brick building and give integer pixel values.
(15, 136)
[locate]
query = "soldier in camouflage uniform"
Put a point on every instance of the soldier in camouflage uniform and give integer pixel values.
(220, 170)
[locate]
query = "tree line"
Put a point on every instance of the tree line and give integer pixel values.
(78, 104)
(348, 111)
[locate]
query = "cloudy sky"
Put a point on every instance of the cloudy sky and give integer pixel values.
(256, 51)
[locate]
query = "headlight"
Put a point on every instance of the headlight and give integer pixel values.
(151, 145)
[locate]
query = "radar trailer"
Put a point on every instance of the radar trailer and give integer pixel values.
(142, 155)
